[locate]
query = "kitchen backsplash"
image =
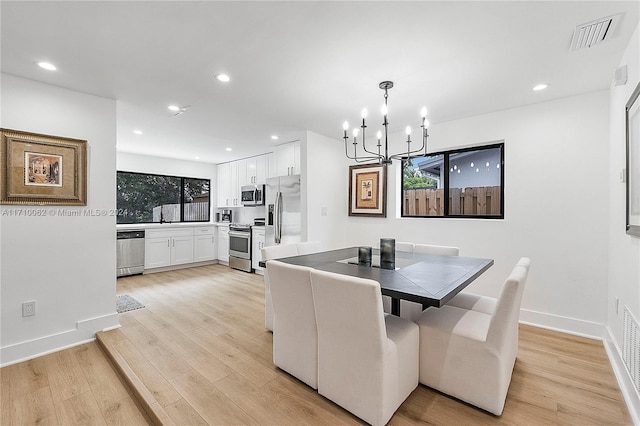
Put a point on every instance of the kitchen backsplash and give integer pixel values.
(246, 214)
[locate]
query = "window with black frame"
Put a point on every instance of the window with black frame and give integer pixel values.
(459, 183)
(150, 198)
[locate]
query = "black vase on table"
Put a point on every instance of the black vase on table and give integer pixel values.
(364, 256)
(388, 253)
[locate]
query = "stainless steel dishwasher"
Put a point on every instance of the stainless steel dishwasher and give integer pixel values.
(130, 252)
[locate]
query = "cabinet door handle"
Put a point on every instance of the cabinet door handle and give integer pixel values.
(168, 243)
(226, 201)
(174, 242)
(213, 240)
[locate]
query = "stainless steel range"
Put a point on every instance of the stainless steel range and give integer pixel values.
(240, 246)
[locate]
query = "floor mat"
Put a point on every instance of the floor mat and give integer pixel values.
(125, 303)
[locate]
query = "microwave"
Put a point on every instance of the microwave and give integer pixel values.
(252, 195)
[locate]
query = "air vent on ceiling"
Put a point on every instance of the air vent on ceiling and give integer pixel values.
(592, 33)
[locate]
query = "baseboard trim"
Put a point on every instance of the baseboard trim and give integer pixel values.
(629, 392)
(181, 266)
(84, 332)
(574, 326)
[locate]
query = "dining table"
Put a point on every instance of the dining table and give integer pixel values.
(429, 279)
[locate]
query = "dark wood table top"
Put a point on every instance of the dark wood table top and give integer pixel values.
(424, 278)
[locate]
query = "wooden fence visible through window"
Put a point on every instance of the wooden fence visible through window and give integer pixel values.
(475, 201)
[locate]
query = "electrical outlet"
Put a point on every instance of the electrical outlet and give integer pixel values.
(28, 308)
(323, 211)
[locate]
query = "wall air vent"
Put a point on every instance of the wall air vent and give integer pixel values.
(595, 32)
(631, 347)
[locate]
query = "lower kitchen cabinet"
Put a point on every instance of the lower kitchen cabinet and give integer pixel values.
(181, 250)
(157, 252)
(257, 242)
(223, 244)
(167, 247)
(205, 246)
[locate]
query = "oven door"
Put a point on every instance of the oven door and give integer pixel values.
(240, 244)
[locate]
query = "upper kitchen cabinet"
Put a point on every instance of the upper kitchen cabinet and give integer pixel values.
(252, 171)
(287, 158)
(270, 160)
(228, 188)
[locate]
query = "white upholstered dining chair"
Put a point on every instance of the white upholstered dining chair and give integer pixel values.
(402, 246)
(309, 247)
(295, 335)
(479, 303)
(367, 361)
(269, 253)
(412, 310)
(470, 354)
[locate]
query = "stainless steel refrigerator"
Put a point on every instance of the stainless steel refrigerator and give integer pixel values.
(283, 224)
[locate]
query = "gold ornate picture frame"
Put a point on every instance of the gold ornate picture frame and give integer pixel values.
(42, 169)
(368, 190)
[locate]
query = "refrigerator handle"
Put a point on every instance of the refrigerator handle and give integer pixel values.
(278, 218)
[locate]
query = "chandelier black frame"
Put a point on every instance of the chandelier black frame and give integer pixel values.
(379, 157)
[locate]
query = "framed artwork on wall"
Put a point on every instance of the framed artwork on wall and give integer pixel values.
(633, 163)
(368, 190)
(42, 169)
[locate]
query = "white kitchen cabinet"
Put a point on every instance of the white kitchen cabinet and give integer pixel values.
(157, 252)
(270, 160)
(224, 184)
(181, 250)
(287, 158)
(234, 187)
(205, 246)
(257, 170)
(228, 188)
(223, 244)
(168, 246)
(257, 242)
(252, 171)
(243, 176)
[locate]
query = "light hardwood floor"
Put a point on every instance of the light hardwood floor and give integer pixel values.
(201, 352)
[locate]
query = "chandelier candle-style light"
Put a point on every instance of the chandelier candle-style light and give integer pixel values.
(379, 157)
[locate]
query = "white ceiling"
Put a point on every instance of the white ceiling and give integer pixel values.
(299, 66)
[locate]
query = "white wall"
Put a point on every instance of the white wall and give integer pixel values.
(555, 208)
(128, 162)
(70, 272)
(624, 266)
(624, 261)
(326, 180)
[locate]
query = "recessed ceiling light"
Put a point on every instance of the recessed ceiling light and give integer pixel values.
(197, 158)
(137, 132)
(228, 149)
(222, 77)
(274, 137)
(174, 108)
(47, 66)
(540, 86)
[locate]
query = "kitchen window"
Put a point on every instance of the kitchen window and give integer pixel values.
(150, 198)
(467, 183)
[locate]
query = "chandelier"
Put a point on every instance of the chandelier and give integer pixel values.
(379, 156)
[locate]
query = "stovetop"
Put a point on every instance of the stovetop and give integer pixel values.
(240, 226)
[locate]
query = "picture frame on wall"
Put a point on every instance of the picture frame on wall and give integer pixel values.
(42, 169)
(632, 120)
(368, 190)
